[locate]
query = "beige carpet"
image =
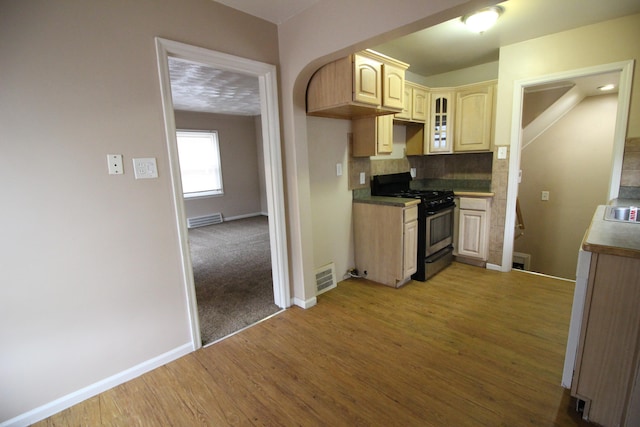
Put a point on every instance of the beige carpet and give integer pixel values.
(232, 272)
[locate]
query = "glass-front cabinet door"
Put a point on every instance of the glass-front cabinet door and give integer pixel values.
(441, 135)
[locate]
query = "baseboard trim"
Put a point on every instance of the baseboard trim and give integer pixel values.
(494, 267)
(250, 215)
(305, 303)
(85, 393)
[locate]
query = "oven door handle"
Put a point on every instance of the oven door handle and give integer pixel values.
(442, 209)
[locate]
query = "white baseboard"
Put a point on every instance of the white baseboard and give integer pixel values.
(249, 215)
(494, 267)
(85, 393)
(305, 303)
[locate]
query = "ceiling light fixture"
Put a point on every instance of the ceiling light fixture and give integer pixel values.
(607, 87)
(483, 19)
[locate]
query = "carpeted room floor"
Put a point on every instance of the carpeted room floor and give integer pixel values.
(232, 273)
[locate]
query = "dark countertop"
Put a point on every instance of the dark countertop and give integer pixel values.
(612, 237)
(389, 201)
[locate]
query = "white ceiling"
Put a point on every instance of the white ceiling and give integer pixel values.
(442, 48)
(451, 46)
(196, 87)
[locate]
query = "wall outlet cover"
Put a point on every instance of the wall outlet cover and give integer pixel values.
(145, 168)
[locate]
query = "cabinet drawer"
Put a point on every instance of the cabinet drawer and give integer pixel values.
(473, 203)
(411, 214)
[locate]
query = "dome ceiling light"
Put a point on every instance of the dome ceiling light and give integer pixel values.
(483, 19)
(607, 87)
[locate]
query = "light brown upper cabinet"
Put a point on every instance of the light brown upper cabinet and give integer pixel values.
(372, 136)
(474, 117)
(420, 106)
(416, 103)
(360, 85)
(393, 86)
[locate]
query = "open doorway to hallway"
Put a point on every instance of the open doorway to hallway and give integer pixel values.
(567, 149)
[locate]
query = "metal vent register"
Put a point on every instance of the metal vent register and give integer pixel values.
(201, 221)
(325, 278)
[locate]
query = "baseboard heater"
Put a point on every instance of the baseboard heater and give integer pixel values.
(521, 261)
(201, 221)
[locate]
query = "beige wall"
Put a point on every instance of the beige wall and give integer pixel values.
(240, 160)
(91, 273)
(571, 160)
(331, 202)
(475, 74)
(603, 43)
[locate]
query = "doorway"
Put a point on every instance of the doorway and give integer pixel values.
(568, 130)
(625, 70)
(270, 133)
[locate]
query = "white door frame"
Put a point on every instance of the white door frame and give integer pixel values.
(267, 78)
(624, 98)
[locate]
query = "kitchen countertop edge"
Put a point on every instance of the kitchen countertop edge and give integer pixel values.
(611, 237)
(473, 194)
(389, 201)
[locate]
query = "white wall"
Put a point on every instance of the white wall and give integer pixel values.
(571, 160)
(240, 164)
(91, 275)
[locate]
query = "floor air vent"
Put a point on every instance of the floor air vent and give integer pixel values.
(201, 221)
(325, 278)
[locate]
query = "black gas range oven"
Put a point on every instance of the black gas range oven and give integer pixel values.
(435, 221)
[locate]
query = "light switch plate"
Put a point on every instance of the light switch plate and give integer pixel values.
(413, 172)
(145, 168)
(502, 153)
(362, 178)
(114, 164)
(338, 169)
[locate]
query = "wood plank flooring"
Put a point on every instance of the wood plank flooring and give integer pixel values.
(470, 347)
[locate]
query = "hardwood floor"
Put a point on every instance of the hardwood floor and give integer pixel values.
(470, 347)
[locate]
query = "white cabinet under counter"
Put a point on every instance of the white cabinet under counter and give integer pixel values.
(602, 362)
(473, 229)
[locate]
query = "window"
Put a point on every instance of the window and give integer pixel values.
(199, 156)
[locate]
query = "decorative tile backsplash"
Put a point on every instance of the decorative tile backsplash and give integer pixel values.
(469, 171)
(468, 166)
(630, 179)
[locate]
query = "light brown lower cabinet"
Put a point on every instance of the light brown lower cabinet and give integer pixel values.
(607, 370)
(473, 231)
(386, 242)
